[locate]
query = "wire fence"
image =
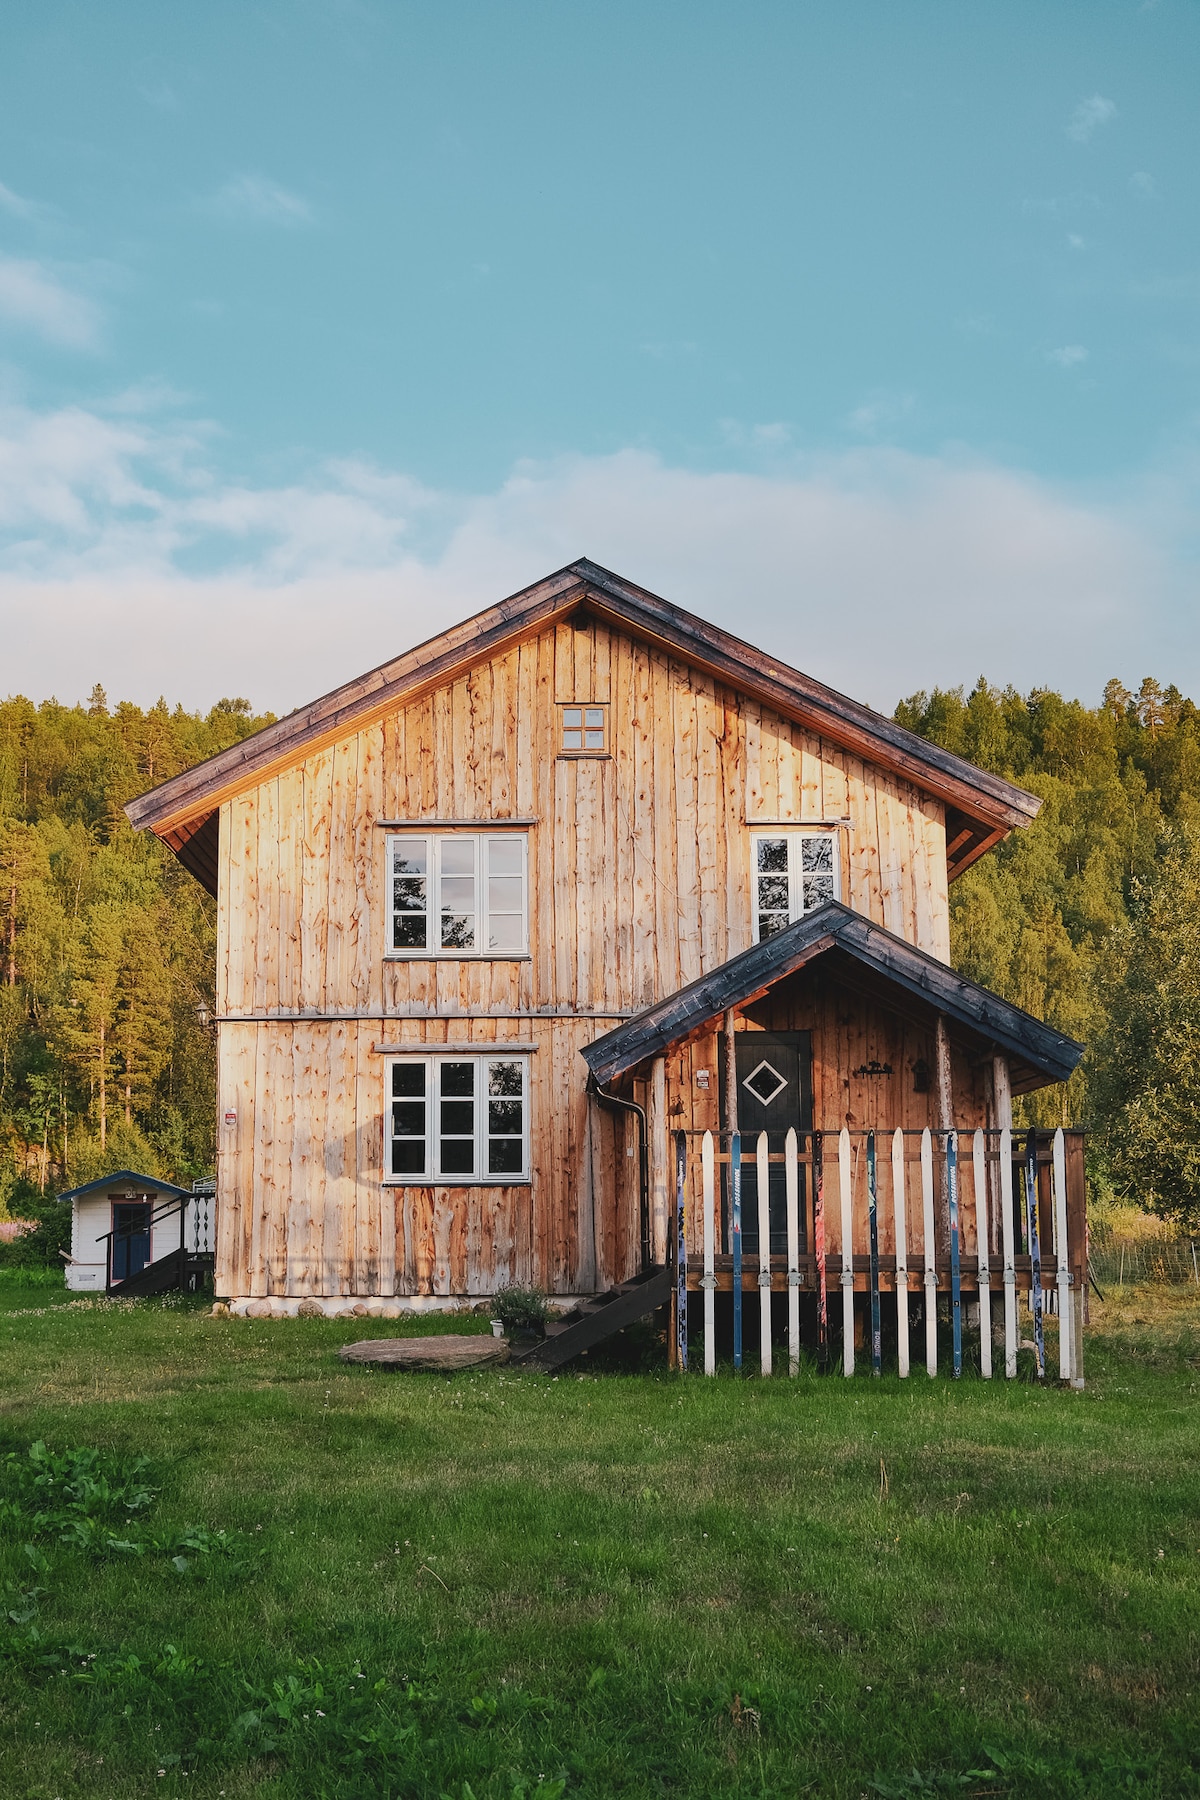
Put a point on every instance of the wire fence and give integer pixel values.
(1127, 1262)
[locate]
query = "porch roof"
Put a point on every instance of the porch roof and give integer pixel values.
(1038, 1054)
(126, 1178)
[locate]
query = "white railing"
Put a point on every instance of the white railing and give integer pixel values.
(842, 1195)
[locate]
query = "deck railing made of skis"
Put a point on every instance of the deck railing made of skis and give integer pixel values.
(971, 1217)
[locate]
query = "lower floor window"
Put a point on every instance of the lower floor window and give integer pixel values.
(457, 1118)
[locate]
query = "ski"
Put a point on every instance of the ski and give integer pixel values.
(819, 1251)
(873, 1221)
(1035, 1252)
(735, 1234)
(955, 1258)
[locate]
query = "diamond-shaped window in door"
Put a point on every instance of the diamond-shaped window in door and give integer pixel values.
(765, 1083)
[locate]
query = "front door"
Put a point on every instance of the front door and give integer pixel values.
(774, 1089)
(131, 1238)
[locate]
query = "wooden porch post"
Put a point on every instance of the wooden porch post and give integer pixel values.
(945, 1123)
(731, 1093)
(659, 1159)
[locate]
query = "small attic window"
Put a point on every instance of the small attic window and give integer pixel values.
(583, 730)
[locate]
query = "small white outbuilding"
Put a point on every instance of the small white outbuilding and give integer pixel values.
(135, 1232)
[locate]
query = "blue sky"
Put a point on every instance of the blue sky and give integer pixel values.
(869, 329)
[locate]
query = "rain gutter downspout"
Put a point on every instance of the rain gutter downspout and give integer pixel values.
(639, 1112)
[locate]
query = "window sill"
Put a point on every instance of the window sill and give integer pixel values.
(467, 1181)
(471, 956)
(584, 756)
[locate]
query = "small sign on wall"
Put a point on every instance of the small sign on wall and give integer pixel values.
(702, 1078)
(231, 1115)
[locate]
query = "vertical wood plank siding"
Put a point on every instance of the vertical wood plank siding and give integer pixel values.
(640, 880)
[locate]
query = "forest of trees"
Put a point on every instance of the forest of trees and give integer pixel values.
(1089, 919)
(106, 949)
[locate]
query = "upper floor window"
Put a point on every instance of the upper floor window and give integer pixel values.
(459, 893)
(458, 1118)
(794, 873)
(582, 730)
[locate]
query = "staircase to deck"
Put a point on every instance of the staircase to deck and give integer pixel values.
(591, 1321)
(183, 1269)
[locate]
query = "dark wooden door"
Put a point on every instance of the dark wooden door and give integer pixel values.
(131, 1238)
(774, 1084)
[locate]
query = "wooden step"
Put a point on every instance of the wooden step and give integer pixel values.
(594, 1320)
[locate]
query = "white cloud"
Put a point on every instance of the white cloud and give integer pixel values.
(1075, 242)
(1067, 356)
(35, 300)
(124, 559)
(878, 415)
(1088, 117)
(14, 205)
(257, 200)
(1143, 185)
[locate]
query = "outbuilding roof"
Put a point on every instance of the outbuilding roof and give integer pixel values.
(981, 808)
(128, 1178)
(1038, 1054)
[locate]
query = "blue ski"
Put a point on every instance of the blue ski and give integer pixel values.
(1035, 1251)
(873, 1218)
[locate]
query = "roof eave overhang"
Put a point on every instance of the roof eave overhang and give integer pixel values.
(982, 806)
(1039, 1053)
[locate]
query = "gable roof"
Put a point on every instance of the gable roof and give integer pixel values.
(125, 1178)
(1038, 1053)
(981, 807)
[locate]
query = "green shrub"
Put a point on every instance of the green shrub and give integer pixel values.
(521, 1309)
(39, 1248)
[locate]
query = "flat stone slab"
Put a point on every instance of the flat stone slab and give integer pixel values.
(428, 1352)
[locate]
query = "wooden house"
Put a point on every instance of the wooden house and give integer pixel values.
(491, 917)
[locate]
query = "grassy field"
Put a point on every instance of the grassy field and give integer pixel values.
(337, 1582)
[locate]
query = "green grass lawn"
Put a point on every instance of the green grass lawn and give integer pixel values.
(515, 1585)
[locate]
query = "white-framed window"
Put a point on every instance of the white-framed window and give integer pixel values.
(794, 872)
(458, 1118)
(582, 730)
(461, 893)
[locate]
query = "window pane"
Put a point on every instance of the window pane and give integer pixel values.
(458, 893)
(504, 1118)
(408, 1118)
(572, 715)
(816, 853)
(458, 1078)
(770, 923)
(408, 1078)
(504, 1156)
(458, 1117)
(572, 740)
(409, 893)
(458, 856)
(408, 1156)
(817, 890)
(458, 931)
(506, 931)
(410, 932)
(410, 856)
(772, 893)
(504, 856)
(505, 1078)
(593, 740)
(458, 1156)
(772, 854)
(595, 718)
(506, 894)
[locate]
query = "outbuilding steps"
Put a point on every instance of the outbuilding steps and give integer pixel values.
(591, 1321)
(186, 1269)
